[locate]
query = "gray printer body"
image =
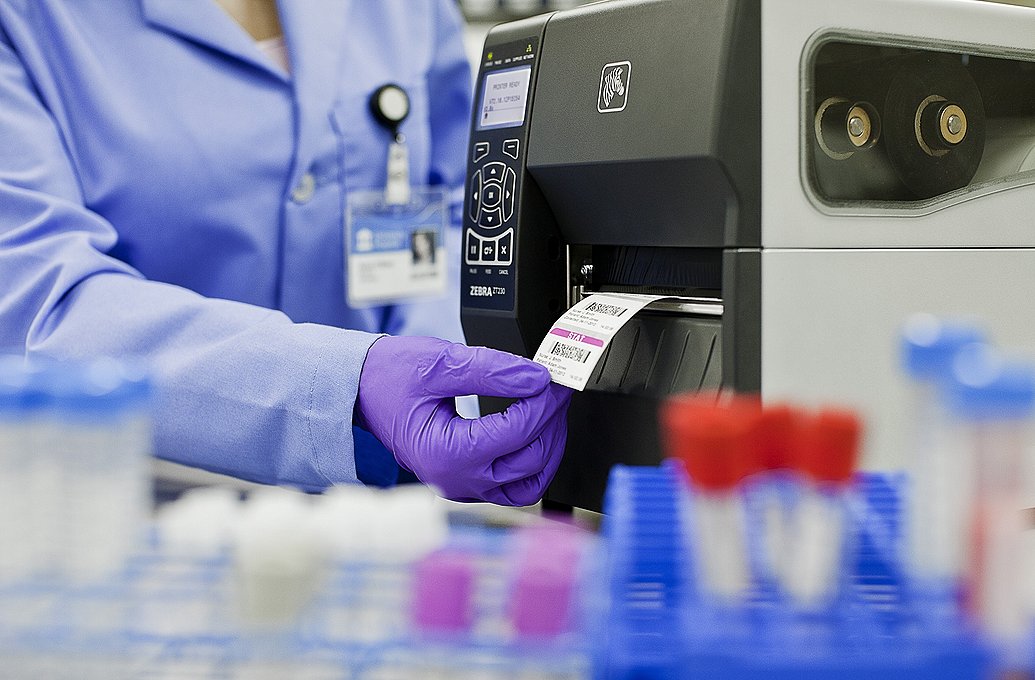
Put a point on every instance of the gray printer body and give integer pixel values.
(676, 148)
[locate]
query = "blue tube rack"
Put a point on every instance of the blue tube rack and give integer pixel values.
(659, 627)
(644, 615)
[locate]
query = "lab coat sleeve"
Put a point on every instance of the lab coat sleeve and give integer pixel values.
(449, 81)
(240, 389)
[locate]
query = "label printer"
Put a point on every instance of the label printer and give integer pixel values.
(795, 178)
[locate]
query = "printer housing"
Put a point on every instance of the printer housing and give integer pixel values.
(791, 176)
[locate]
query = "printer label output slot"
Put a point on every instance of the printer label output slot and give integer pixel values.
(705, 306)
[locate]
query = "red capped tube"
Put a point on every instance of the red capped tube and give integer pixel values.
(715, 442)
(776, 436)
(828, 446)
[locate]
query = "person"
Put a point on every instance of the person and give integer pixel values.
(172, 182)
(422, 247)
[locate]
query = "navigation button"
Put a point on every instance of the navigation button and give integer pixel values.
(476, 195)
(494, 171)
(510, 148)
(490, 219)
(473, 248)
(503, 245)
(509, 180)
(491, 194)
(481, 150)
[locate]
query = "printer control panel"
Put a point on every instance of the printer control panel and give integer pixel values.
(495, 169)
(491, 200)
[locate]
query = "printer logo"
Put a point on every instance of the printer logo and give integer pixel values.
(614, 86)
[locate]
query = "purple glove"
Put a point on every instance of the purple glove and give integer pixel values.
(405, 399)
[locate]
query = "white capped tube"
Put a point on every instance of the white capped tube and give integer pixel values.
(19, 408)
(278, 563)
(993, 400)
(941, 466)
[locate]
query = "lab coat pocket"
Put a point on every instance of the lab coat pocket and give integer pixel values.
(394, 241)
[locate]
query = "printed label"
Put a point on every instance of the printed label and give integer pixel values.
(576, 342)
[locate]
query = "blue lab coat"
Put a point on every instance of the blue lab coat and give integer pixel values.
(168, 193)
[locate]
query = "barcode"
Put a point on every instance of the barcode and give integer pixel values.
(569, 352)
(600, 308)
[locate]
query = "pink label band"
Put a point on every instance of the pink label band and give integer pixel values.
(577, 337)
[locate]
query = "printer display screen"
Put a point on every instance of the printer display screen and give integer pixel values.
(503, 98)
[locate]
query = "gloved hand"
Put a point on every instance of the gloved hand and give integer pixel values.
(406, 391)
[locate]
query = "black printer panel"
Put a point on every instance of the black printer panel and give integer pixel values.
(512, 272)
(494, 173)
(489, 221)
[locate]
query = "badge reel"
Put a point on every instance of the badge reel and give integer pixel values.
(394, 238)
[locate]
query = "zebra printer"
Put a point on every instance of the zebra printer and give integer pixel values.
(796, 178)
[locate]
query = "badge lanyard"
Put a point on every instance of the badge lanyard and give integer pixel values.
(390, 105)
(394, 238)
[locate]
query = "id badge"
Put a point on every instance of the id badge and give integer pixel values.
(395, 252)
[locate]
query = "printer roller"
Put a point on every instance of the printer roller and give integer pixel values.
(912, 128)
(934, 126)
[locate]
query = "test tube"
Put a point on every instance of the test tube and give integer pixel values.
(187, 585)
(45, 477)
(443, 612)
(344, 519)
(443, 598)
(411, 522)
(776, 489)
(373, 537)
(715, 443)
(103, 443)
(544, 601)
(941, 471)
(827, 449)
(992, 400)
(19, 406)
(278, 563)
(542, 598)
(200, 524)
